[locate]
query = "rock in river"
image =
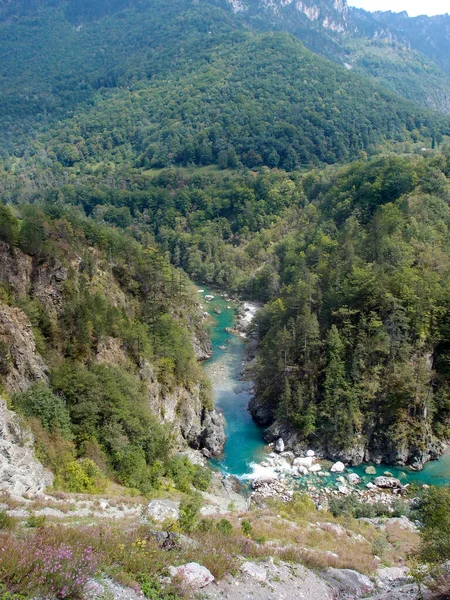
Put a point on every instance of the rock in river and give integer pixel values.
(279, 446)
(338, 467)
(387, 482)
(353, 478)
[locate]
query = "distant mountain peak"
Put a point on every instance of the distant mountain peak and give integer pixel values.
(330, 14)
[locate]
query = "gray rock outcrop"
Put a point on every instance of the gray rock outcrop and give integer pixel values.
(162, 510)
(24, 365)
(282, 580)
(387, 482)
(20, 472)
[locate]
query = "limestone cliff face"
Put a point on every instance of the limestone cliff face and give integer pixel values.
(20, 472)
(25, 365)
(331, 15)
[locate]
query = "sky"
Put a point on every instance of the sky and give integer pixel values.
(413, 7)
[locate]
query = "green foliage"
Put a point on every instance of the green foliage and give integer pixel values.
(190, 511)
(184, 474)
(353, 507)
(82, 476)
(38, 401)
(225, 527)
(6, 521)
(151, 588)
(247, 528)
(9, 226)
(360, 306)
(127, 67)
(36, 522)
(435, 514)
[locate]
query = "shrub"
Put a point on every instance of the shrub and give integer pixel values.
(202, 478)
(184, 474)
(7, 522)
(39, 402)
(189, 511)
(151, 588)
(247, 528)
(83, 476)
(37, 522)
(225, 527)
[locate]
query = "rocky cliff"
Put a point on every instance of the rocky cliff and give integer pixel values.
(40, 290)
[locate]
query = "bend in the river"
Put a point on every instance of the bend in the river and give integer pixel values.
(245, 448)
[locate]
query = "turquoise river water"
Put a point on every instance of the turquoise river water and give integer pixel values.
(245, 447)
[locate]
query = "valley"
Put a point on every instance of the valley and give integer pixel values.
(224, 301)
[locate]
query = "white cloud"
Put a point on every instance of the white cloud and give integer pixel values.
(413, 7)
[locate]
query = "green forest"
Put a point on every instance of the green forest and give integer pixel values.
(156, 86)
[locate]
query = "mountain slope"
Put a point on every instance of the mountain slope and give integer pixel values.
(406, 55)
(160, 85)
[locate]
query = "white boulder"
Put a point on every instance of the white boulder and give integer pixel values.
(310, 453)
(302, 470)
(315, 468)
(353, 478)
(279, 446)
(193, 574)
(163, 510)
(307, 461)
(338, 467)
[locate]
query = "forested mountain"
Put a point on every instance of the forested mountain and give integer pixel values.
(181, 83)
(408, 55)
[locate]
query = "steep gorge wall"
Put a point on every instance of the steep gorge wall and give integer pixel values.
(25, 278)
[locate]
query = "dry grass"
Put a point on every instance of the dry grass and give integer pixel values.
(295, 532)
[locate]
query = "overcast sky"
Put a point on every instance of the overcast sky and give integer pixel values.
(413, 7)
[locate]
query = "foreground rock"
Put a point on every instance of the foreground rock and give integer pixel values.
(348, 584)
(194, 575)
(107, 588)
(20, 472)
(281, 581)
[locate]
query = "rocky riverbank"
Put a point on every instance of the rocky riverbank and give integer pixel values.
(284, 472)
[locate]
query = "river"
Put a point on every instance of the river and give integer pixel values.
(245, 447)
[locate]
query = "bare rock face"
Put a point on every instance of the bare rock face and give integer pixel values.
(202, 429)
(25, 366)
(269, 581)
(348, 584)
(20, 472)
